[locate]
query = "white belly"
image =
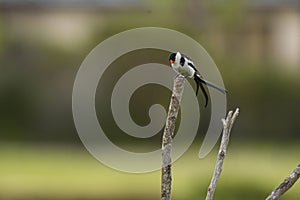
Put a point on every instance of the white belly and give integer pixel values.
(185, 70)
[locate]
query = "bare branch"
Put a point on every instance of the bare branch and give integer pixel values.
(166, 175)
(227, 125)
(285, 185)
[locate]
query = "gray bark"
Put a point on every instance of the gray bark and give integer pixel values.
(166, 173)
(227, 125)
(285, 185)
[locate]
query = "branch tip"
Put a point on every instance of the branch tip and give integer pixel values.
(227, 124)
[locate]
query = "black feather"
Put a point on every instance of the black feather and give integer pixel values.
(199, 83)
(192, 66)
(182, 61)
(172, 56)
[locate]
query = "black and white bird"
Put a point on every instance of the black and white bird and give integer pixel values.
(185, 66)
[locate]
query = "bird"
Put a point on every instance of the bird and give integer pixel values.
(185, 66)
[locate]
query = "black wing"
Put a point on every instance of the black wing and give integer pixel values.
(182, 61)
(191, 65)
(186, 56)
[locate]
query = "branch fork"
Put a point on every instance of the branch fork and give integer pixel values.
(227, 126)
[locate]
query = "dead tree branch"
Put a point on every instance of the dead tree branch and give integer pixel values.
(285, 185)
(227, 125)
(166, 175)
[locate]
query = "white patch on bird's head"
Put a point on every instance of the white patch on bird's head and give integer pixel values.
(177, 57)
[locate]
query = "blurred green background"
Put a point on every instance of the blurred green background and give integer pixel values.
(255, 44)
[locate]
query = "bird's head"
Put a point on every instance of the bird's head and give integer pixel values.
(172, 58)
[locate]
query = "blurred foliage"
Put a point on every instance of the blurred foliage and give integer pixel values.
(37, 77)
(65, 172)
(39, 59)
(229, 14)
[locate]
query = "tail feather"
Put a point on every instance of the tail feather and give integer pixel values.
(199, 82)
(208, 83)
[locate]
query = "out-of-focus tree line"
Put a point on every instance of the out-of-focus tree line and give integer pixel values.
(255, 45)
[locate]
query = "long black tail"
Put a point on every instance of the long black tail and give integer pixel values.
(199, 82)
